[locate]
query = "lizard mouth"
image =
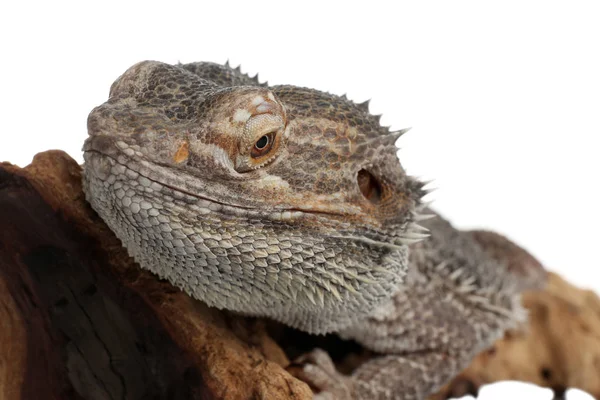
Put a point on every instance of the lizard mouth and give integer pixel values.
(103, 155)
(175, 189)
(105, 158)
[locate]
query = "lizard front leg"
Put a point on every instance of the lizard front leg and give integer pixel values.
(392, 377)
(410, 376)
(458, 298)
(319, 371)
(415, 357)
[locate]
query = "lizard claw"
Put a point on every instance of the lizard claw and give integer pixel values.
(321, 375)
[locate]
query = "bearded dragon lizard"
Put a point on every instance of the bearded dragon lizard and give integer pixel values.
(291, 203)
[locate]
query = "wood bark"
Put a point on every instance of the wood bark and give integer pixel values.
(80, 320)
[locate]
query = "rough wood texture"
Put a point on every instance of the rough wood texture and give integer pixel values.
(79, 320)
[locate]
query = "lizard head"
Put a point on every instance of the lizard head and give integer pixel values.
(277, 201)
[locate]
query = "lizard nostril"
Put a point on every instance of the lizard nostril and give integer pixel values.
(369, 186)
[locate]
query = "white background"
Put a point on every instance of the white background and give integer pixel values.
(503, 97)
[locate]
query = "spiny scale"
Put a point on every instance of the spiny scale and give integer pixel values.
(397, 134)
(364, 106)
(238, 70)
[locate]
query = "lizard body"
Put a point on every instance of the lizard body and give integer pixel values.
(291, 203)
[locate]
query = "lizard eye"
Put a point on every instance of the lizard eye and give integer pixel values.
(263, 145)
(260, 141)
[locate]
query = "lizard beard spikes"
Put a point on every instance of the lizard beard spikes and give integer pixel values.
(294, 237)
(314, 282)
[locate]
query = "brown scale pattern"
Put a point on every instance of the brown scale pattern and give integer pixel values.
(222, 75)
(314, 104)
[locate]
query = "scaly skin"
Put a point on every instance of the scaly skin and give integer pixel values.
(291, 203)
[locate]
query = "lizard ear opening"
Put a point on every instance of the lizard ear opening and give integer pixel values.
(369, 186)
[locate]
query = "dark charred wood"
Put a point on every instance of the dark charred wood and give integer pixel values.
(80, 320)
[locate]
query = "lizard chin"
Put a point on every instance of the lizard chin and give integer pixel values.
(313, 279)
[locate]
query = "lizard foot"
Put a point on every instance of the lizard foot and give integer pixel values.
(317, 369)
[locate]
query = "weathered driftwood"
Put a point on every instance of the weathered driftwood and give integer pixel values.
(80, 320)
(559, 349)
